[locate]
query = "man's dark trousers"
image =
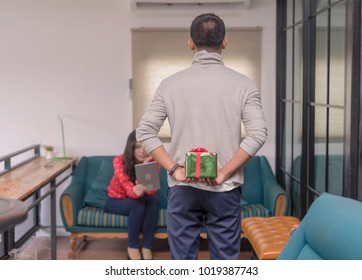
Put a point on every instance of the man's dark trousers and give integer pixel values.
(190, 209)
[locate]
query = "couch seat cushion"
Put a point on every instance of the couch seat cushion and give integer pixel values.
(97, 217)
(254, 210)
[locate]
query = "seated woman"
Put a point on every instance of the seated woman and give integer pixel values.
(127, 197)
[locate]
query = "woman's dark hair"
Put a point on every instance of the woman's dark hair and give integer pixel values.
(207, 31)
(129, 159)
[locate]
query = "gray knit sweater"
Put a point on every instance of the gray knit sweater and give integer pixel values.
(205, 105)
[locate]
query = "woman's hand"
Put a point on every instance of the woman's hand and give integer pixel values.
(139, 189)
(147, 159)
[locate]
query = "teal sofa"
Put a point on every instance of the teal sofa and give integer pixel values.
(331, 230)
(81, 203)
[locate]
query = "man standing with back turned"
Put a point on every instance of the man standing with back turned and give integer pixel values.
(205, 105)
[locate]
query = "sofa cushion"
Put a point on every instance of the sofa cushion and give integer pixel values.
(97, 217)
(254, 210)
(97, 194)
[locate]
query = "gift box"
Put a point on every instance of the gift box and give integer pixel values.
(201, 164)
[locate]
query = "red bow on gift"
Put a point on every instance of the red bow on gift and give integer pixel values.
(199, 150)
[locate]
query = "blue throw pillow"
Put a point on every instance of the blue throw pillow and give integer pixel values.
(97, 193)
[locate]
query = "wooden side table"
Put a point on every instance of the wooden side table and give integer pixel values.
(27, 180)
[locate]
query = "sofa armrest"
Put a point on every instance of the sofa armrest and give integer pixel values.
(71, 202)
(275, 198)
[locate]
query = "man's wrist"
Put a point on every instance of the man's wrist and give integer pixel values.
(173, 169)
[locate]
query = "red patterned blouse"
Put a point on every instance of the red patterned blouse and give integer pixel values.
(121, 186)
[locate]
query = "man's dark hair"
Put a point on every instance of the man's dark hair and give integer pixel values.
(207, 31)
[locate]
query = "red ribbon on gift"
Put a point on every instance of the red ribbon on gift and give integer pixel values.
(198, 152)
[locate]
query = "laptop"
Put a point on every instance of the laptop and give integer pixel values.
(148, 175)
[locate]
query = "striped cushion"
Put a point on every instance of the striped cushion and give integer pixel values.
(254, 210)
(97, 217)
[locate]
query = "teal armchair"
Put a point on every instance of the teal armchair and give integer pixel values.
(331, 230)
(262, 196)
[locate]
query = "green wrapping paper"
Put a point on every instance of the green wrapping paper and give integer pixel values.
(201, 164)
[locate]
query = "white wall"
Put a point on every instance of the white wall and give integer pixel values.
(67, 58)
(72, 58)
